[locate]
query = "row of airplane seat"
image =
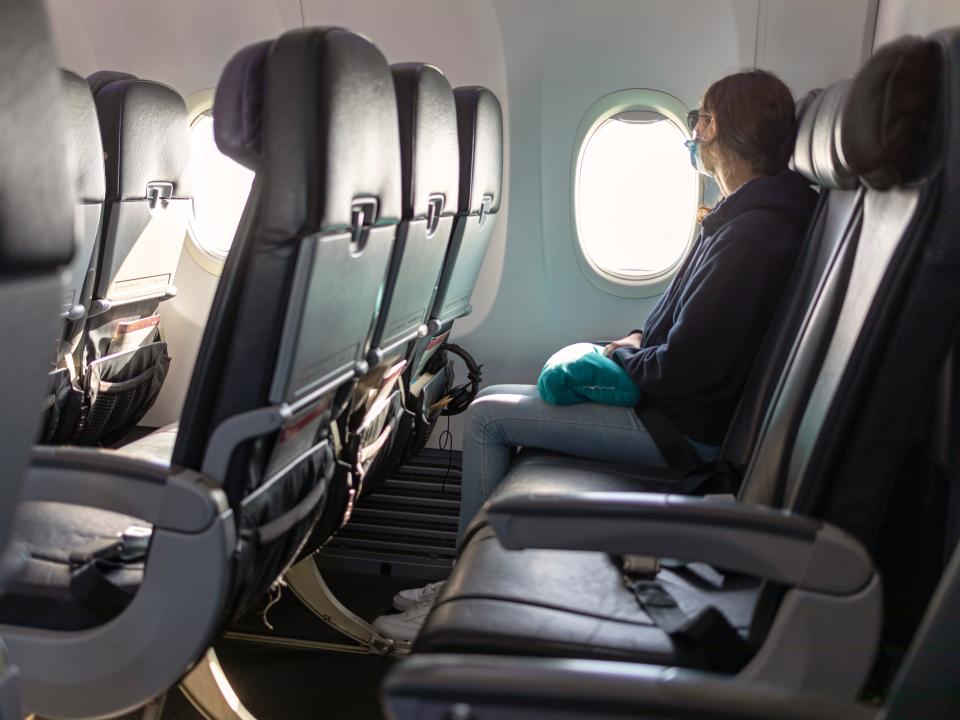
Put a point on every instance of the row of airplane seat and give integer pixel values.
(374, 195)
(660, 593)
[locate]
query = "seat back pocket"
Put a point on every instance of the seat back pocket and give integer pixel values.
(120, 389)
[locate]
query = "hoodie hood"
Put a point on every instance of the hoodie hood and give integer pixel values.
(787, 193)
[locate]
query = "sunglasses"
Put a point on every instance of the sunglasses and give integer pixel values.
(693, 117)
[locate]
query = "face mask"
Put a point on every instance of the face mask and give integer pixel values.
(696, 159)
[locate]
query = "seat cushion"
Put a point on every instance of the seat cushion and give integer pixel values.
(569, 604)
(539, 472)
(155, 447)
(45, 595)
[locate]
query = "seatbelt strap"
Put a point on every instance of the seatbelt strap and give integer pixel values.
(676, 449)
(708, 630)
(715, 477)
(89, 584)
(953, 515)
(91, 588)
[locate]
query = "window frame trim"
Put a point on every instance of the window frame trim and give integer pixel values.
(211, 261)
(608, 106)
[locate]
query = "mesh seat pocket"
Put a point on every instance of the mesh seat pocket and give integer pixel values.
(120, 390)
(426, 415)
(61, 410)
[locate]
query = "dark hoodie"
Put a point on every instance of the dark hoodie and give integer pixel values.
(704, 334)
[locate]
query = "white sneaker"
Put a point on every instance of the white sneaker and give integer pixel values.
(405, 625)
(406, 599)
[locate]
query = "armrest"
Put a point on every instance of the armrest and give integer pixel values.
(454, 686)
(174, 499)
(752, 539)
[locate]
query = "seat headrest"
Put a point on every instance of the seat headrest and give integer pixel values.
(83, 138)
(804, 103)
(480, 126)
(315, 115)
(100, 78)
(238, 105)
(36, 196)
(817, 151)
(429, 148)
(889, 112)
(146, 137)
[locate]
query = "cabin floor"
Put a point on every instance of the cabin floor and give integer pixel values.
(280, 683)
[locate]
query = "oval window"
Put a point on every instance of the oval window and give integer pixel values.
(220, 190)
(636, 195)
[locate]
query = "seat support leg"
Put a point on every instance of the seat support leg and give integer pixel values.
(209, 691)
(153, 710)
(306, 582)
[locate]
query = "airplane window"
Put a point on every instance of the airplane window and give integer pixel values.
(220, 189)
(636, 196)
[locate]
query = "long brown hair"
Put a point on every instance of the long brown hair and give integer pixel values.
(755, 118)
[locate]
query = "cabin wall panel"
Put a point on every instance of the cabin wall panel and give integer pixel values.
(561, 56)
(814, 42)
(914, 17)
(184, 43)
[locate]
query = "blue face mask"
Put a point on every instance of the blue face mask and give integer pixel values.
(696, 159)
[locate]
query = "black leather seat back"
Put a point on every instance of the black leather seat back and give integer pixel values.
(430, 176)
(314, 115)
(835, 222)
(819, 402)
(480, 127)
(480, 130)
(36, 233)
(146, 145)
(115, 364)
(86, 152)
(430, 155)
(903, 118)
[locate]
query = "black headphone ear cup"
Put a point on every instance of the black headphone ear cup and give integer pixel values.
(462, 395)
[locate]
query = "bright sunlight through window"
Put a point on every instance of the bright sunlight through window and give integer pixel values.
(637, 196)
(220, 189)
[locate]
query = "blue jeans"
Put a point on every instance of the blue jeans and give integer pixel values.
(505, 417)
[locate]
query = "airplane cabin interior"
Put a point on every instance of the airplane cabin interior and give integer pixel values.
(313, 402)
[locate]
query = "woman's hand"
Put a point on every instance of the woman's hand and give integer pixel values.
(631, 340)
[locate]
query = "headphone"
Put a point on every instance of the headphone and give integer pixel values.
(462, 395)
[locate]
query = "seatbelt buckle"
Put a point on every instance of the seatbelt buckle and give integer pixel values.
(640, 564)
(134, 542)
